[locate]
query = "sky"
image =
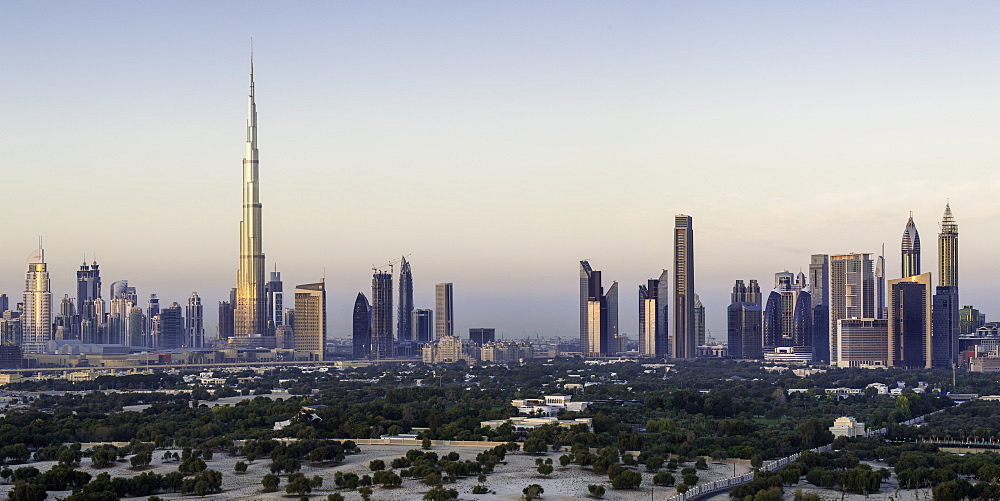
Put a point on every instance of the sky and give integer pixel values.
(496, 143)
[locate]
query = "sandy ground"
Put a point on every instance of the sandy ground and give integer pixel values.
(506, 483)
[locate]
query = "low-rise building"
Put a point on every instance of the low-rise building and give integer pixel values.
(847, 427)
(530, 423)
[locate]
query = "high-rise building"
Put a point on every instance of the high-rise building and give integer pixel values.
(969, 319)
(863, 342)
(482, 335)
(910, 321)
(64, 323)
(423, 325)
(404, 325)
(170, 327)
(194, 322)
(444, 310)
(250, 309)
(699, 321)
(947, 320)
(880, 309)
(88, 288)
(744, 321)
(36, 321)
(226, 328)
(788, 314)
(819, 289)
(10, 328)
(309, 330)
(275, 302)
(685, 336)
(382, 339)
(948, 250)
(910, 249)
(153, 309)
(852, 291)
(135, 327)
(362, 327)
(654, 303)
(599, 325)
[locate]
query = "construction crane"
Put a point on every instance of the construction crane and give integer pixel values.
(391, 264)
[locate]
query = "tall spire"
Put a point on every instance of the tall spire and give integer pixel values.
(948, 249)
(910, 248)
(251, 301)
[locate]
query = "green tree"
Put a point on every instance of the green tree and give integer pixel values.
(545, 469)
(701, 464)
(28, 492)
(376, 465)
(663, 478)
(596, 490)
(439, 493)
(270, 482)
(531, 492)
(240, 467)
(654, 462)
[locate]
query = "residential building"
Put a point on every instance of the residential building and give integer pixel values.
(444, 310)
(852, 291)
(382, 338)
(309, 330)
(275, 302)
(685, 335)
(194, 321)
(788, 314)
(654, 301)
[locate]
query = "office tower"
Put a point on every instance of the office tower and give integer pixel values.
(969, 319)
(36, 321)
(852, 291)
(284, 337)
(910, 249)
(66, 322)
(4, 303)
(123, 299)
(819, 285)
(743, 318)
(699, 321)
(788, 314)
(250, 309)
(404, 325)
(685, 336)
(171, 327)
(910, 321)
(194, 322)
(444, 310)
(880, 311)
(153, 309)
(88, 288)
(653, 320)
(135, 332)
(382, 339)
(275, 302)
(310, 319)
(225, 320)
(947, 319)
(599, 327)
(614, 342)
(482, 335)
(10, 328)
(863, 342)
(948, 250)
(362, 323)
(423, 325)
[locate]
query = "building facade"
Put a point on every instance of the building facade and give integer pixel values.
(444, 310)
(309, 330)
(382, 335)
(423, 325)
(910, 249)
(852, 292)
(362, 327)
(404, 320)
(36, 320)
(863, 342)
(685, 336)
(194, 322)
(788, 314)
(654, 322)
(819, 291)
(744, 321)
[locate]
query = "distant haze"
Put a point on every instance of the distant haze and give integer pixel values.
(496, 143)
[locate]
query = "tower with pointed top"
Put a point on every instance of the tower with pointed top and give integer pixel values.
(910, 249)
(404, 326)
(946, 320)
(251, 302)
(36, 321)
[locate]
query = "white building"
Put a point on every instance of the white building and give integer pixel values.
(549, 405)
(847, 427)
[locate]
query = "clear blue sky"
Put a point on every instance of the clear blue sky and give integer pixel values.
(497, 142)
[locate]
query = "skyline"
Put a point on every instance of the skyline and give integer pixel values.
(455, 171)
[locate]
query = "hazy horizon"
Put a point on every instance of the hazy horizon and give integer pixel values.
(498, 144)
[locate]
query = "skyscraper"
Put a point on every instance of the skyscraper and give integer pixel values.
(910, 321)
(699, 322)
(910, 249)
(382, 339)
(653, 320)
(744, 321)
(194, 321)
(819, 288)
(250, 310)
(685, 337)
(171, 327)
(599, 327)
(226, 328)
(862, 341)
(482, 335)
(404, 326)
(423, 325)
(36, 321)
(852, 291)
(948, 250)
(444, 310)
(362, 327)
(275, 302)
(946, 319)
(88, 288)
(880, 294)
(310, 320)
(788, 314)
